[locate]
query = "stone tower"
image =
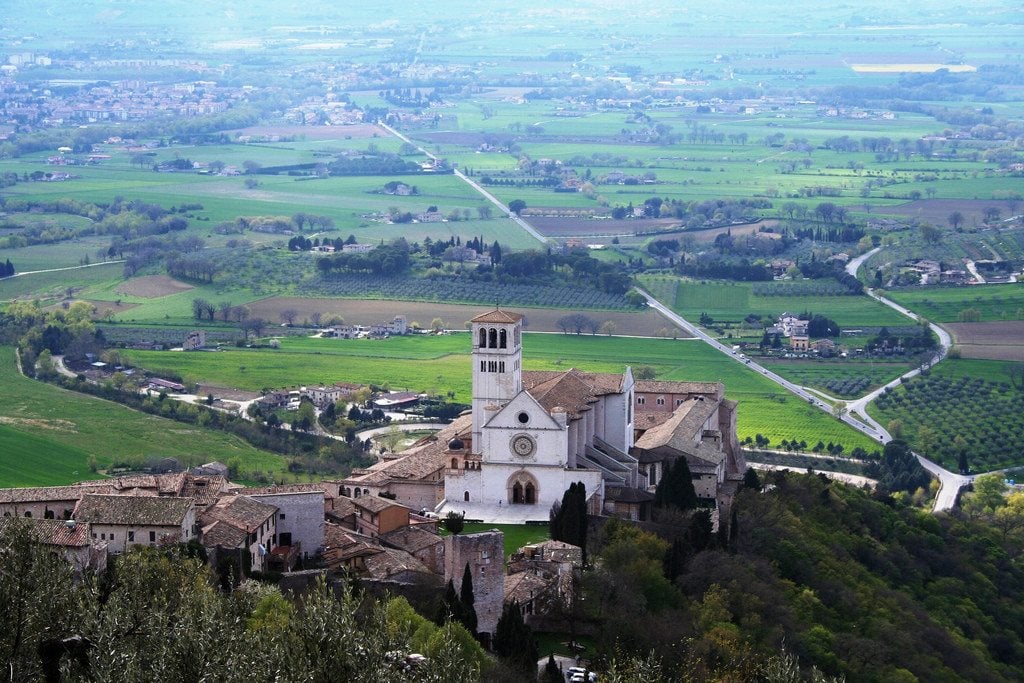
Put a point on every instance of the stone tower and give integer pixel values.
(484, 552)
(497, 364)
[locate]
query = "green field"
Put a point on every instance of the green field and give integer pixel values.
(55, 283)
(943, 304)
(733, 301)
(30, 460)
(49, 432)
(442, 364)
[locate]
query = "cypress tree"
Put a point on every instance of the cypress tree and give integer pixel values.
(466, 597)
(514, 642)
(676, 487)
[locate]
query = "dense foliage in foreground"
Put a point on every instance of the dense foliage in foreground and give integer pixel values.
(157, 616)
(853, 585)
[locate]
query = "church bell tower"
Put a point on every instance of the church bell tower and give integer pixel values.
(497, 363)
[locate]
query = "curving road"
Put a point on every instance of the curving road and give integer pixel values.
(854, 413)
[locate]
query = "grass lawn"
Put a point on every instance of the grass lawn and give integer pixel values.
(442, 364)
(50, 432)
(516, 535)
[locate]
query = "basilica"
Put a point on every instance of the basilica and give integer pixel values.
(530, 434)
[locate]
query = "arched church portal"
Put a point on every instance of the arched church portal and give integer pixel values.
(522, 489)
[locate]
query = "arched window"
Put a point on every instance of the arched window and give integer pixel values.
(493, 337)
(502, 339)
(357, 493)
(483, 337)
(455, 463)
(28, 513)
(465, 496)
(531, 494)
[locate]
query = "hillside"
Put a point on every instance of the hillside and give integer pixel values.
(855, 586)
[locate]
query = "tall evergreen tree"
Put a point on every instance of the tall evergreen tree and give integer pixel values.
(514, 642)
(466, 597)
(676, 487)
(568, 521)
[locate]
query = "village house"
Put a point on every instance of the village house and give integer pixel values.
(126, 521)
(243, 524)
(790, 324)
(300, 515)
(69, 539)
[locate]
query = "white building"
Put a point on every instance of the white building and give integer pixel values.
(527, 444)
(533, 434)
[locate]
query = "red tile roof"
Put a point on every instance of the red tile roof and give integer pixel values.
(497, 316)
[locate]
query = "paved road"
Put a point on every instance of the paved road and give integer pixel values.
(56, 270)
(855, 413)
(476, 186)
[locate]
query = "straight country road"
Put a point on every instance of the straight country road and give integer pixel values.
(476, 186)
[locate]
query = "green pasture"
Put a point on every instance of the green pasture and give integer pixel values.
(943, 304)
(49, 432)
(733, 301)
(53, 284)
(35, 460)
(58, 255)
(442, 364)
(346, 199)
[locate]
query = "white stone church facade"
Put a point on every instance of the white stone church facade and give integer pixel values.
(532, 434)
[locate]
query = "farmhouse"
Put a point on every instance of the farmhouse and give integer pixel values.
(241, 523)
(532, 434)
(194, 340)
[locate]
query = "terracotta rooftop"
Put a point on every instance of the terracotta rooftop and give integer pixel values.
(283, 489)
(133, 510)
(376, 503)
(569, 390)
(497, 316)
(411, 539)
(53, 531)
(600, 383)
(524, 587)
(682, 432)
(44, 493)
(414, 463)
(388, 562)
(203, 489)
(243, 512)
(224, 534)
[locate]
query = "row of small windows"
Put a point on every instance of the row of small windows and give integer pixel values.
(492, 366)
(641, 400)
